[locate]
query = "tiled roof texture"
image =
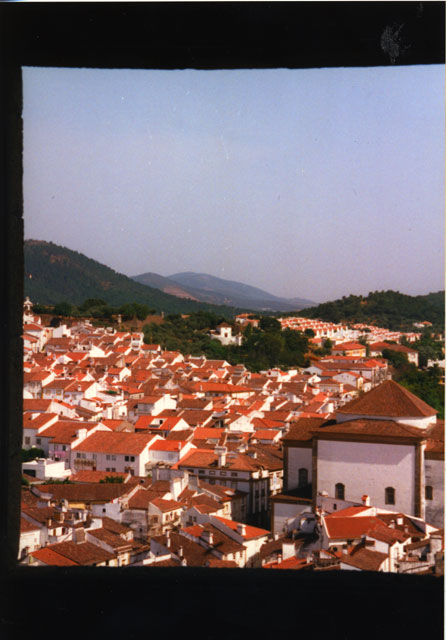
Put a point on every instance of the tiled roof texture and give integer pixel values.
(364, 559)
(366, 427)
(251, 532)
(50, 557)
(389, 399)
(303, 429)
(119, 442)
(349, 528)
(94, 477)
(84, 553)
(111, 539)
(100, 492)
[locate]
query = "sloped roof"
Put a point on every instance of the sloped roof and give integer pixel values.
(369, 427)
(389, 399)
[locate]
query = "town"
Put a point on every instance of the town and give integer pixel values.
(134, 455)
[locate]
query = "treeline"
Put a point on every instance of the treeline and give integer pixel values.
(96, 308)
(54, 274)
(262, 348)
(424, 383)
(390, 309)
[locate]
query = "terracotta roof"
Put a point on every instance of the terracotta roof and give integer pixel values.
(90, 476)
(289, 563)
(84, 553)
(250, 532)
(364, 559)
(166, 505)
(49, 556)
(119, 442)
(389, 399)
(100, 492)
(367, 427)
(350, 528)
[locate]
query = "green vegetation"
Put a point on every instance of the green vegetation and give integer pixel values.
(112, 480)
(389, 309)
(28, 455)
(262, 348)
(426, 384)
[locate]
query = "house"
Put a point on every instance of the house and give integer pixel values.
(382, 444)
(114, 451)
(377, 348)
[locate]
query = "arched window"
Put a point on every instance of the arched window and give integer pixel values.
(429, 492)
(340, 491)
(390, 495)
(303, 477)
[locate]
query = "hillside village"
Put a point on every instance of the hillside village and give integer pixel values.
(140, 456)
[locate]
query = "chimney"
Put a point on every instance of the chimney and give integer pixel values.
(168, 540)
(79, 535)
(392, 524)
(49, 522)
(366, 500)
(221, 453)
(241, 529)
(180, 552)
(175, 487)
(59, 516)
(208, 537)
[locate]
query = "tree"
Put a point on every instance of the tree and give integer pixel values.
(112, 480)
(268, 323)
(32, 454)
(63, 309)
(309, 332)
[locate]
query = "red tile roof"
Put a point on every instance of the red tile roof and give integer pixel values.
(119, 442)
(389, 399)
(50, 557)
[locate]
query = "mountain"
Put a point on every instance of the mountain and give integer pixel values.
(390, 309)
(164, 284)
(207, 288)
(54, 274)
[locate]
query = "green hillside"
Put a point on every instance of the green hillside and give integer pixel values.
(55, 274)
(384, 308)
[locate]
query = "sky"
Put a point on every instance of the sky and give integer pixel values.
(313, 183)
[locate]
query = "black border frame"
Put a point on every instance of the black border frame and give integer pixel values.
(209, 603)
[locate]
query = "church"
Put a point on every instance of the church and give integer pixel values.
(385, 448)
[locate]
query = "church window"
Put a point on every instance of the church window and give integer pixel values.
(303, 477)
(340, 491)
(390, 495)
(429, 492)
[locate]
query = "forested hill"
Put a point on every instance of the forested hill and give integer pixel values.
(383, 308)
(56, 274)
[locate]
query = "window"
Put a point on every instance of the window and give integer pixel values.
(104, 510)
(233, 474)
(127, 458)
(64, 448)
(201, 471)
(94, 456)
(132, 458)
(107, 457)
(390, 495)
(340, 491)
(303, 477)
(212, 473)
(222, 473)
(78, 455)
(429, 492)
(113, 457)
(107, 468)
(27, 440)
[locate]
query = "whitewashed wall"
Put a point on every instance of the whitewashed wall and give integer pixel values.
(366, 468)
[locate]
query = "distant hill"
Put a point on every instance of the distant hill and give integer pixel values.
(390, 309)
(207, 288)
(55, 274)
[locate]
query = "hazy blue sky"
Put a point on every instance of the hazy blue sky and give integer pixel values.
(315, 183)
